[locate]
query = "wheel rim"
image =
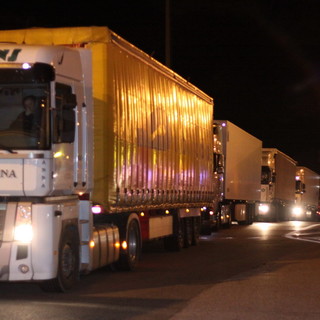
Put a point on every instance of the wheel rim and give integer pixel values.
(133, 243)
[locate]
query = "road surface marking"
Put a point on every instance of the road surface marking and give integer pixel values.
(302, 235)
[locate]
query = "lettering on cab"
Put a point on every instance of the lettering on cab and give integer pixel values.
(6, 173)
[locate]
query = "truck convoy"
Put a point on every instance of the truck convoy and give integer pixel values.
(237, 175)
(116, 151)
(103, 148)
(307, 195)
(278, 174)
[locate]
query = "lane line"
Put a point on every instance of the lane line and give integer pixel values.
(300, 235)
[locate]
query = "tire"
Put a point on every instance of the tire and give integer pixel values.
(206, 230)
(68, 268)
(195, 231)
(175, 242)
(188, 234)
(129, 259)
(217, 227)
(228, 225)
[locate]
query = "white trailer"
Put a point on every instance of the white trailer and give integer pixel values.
(237, 172)
(277, 185)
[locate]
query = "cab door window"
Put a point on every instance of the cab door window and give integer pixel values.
(64, 115)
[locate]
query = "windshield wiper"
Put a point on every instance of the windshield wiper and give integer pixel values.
(7, 149)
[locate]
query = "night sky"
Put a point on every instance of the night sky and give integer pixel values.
(259, 60)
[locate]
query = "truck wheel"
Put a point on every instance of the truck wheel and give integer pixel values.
(129, 258)
(206, 230)
(175, 242)
(217, 225)
(68, 268)
(188, 232)
(228, 224)
(195, 231)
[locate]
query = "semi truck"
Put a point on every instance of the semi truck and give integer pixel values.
(278, 172)
(307, 195)
(119, 153)
(237, 174)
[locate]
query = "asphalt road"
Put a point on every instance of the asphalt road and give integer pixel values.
(262, 271)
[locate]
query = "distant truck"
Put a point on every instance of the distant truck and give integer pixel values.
(307, 195)
(237, 175)
(120, 153)
(278, 174)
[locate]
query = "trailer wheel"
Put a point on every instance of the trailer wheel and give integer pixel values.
(68, 268)
(195, 231)
(188, 234)
(206, 229)
(228, 224)
(129, 259)
(175, 242)
(217, 226)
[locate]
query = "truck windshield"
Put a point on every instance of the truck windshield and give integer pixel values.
(24, 114)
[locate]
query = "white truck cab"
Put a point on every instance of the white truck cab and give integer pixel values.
(44, 164)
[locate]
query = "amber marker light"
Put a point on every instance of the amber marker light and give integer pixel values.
(124, 245)
(58, 154)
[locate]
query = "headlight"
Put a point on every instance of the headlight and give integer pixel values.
(264, 208)
(23, 225)
(297, 211)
